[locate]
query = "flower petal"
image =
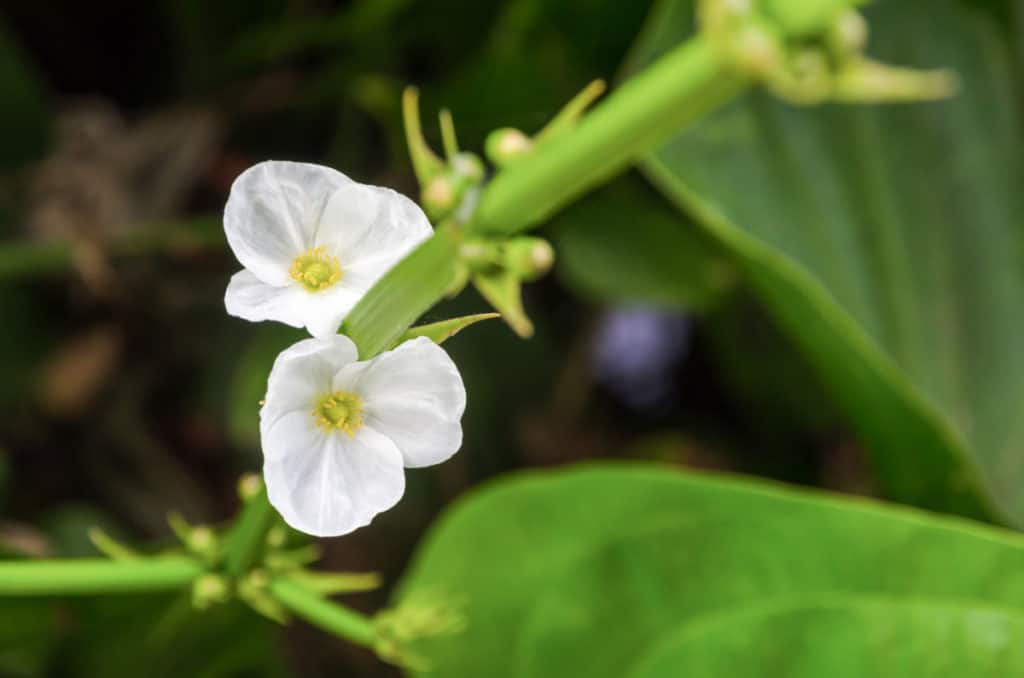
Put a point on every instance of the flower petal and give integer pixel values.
(369, 229)
(327, 484)
(301, 374)
(324, 310)
(250, 298)
(272, 214)
(414, 395)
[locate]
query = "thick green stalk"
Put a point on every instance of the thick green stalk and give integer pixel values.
(317, 610)
(245, 542)
(673, 92)
(95, 576)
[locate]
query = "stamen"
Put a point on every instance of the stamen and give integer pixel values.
(339, 411)
(315, 269)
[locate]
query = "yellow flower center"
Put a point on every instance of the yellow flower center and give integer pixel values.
(339, 411)
(316, 269)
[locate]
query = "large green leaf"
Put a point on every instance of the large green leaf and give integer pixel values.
(844, 638)
(610, 569)
(886, 240)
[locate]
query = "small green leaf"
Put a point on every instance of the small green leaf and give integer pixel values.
(443, 330)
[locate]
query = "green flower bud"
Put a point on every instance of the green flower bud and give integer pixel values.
(529, 258)
(506, 144)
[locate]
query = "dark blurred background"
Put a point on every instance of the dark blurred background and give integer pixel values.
(126, 391)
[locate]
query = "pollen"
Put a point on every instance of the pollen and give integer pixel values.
(339, 411)
(316, 269)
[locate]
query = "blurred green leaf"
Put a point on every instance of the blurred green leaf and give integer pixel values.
(606, 569)
(886, 242)
(845, 637)
(625, 244)
(161, 636)
(24, 115)
(249, 383)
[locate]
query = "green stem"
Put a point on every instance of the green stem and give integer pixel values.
(673, 92)
(246, 540)
(317, 610)
(95, 576)
(26, 258)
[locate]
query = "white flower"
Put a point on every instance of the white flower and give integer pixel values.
(312, 242)
(337, 431)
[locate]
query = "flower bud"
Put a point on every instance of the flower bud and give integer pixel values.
(505, 145)
(849, 33)
(209, 589)
(757, 48)
(439, 196)
(468, 166)
(249, 485)
(529, 258)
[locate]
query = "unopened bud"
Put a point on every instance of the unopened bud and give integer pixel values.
(849, 33)
(209, 589)
(529, 258)
(757, 49)
(249, 485)
(505, 145)
(439, 196)
(468, 166)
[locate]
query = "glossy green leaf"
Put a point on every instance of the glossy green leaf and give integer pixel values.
(625, 244)
(444, 330)
(603, 570)
(886, 241)
(845, 637)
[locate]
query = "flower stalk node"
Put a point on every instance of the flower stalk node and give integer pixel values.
(809, 58)
(416, 618)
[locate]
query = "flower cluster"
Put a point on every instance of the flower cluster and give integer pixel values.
(336, 431)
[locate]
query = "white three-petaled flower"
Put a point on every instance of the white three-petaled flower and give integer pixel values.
(312, 242)
(337, 431)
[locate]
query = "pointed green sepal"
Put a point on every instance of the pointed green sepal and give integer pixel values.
(253, 590)
(110, 547)
(502, 289)
(425, 162)
(867, 81)
(334, 583)
(443, 330)
(572, 112)
(292, 558)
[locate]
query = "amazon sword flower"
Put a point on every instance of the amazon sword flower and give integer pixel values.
(337, 432)
(312, 242)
